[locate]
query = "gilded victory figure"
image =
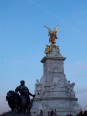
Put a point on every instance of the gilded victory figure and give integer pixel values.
(52, 34)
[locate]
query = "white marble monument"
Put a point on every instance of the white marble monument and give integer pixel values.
(54, 93)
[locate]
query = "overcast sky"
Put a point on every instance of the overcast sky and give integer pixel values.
(23, 39)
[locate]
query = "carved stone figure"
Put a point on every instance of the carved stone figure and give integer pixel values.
(70, 87)
(40, 89)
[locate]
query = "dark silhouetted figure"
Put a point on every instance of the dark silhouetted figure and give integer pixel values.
(48, 113)
(85, 113)
(80, 114)
(69, 114)
(55, 112)
(24, 95)
(41, 113)
(51, 113)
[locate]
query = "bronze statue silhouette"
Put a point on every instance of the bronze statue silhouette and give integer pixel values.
(19, 99)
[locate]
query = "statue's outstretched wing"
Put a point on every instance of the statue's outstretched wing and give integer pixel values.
(56, 29)
(49, 30)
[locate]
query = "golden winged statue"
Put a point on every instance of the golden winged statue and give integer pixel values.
(52, 34)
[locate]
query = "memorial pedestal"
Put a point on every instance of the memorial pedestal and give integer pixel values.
(54, 92)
